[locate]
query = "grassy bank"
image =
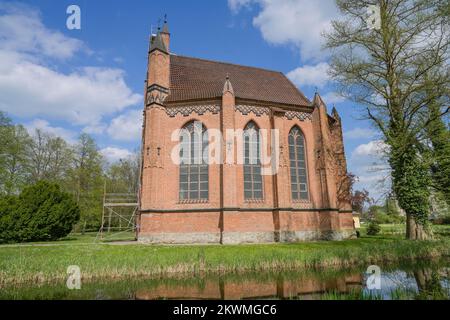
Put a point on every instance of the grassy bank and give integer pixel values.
(399, 230)
(48, 264)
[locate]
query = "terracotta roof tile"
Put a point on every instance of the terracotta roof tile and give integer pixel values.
(193, 79)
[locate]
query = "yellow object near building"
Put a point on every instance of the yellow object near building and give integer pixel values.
(356, 222)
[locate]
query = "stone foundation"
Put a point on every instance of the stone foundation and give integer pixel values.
(180, 238)
(244, 237)
(247, 237)
(237, 227)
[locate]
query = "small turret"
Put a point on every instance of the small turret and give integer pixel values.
(157, 43)
(158, 66)
(317, 101)
(165, 34)
(227, 87)
(335, 114)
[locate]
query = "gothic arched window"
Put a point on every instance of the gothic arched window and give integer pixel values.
(253, 186)
(299, 182)
(194, 162)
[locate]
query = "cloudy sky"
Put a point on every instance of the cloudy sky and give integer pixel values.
(91, 80)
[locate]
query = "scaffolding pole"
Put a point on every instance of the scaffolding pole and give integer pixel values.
(113, 205)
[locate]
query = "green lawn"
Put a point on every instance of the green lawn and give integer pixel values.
(25, 263)
(398, 230)
(88, 237)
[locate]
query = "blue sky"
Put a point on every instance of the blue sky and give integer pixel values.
(91, 80)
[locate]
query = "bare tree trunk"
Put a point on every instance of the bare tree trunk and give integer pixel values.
(415, 230)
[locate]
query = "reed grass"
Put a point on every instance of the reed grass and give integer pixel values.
(48, 264)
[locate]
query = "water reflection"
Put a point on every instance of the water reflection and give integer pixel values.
(304, 286)
(430, 285)
(430, 281)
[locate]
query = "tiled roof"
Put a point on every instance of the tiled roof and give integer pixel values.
(193, 79)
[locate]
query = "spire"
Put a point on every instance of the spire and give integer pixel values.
(165, 25)
(227, 87)
(165, 34)
(317, 101)
(335, 114)
(158, 44)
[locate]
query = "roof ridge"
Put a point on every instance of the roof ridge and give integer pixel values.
(229, 63)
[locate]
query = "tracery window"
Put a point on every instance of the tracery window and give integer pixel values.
(253, 186)
(299, 181)
(194, 162)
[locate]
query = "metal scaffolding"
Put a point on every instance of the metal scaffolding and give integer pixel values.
(118, 215)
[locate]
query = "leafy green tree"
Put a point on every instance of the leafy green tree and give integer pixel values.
(86, 180)
(50, 157)
(123, 176)
(41, 212)
(438, 135)
(4, 120)
(391, 207)
(387, 70)
(14, 162)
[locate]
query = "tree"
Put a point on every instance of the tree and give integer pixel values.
(360, 199)
(14, 146)
(41, 212)
(391, 207)
(438, 135)
(49, 157)
(86, 180)
(387, 70)
(373, 228)
(123, 176)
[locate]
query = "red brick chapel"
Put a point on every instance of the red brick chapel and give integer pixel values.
(307, 198)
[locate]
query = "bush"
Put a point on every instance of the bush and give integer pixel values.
(383, 218)
(373, 228)
(41, 212)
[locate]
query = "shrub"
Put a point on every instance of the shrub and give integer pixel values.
(384, 218)
(7, 205)
(41, 212)
(373, 228)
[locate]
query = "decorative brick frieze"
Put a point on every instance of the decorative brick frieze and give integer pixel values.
(188, 110)
(257, 110)
(157, 97)
(298, 114)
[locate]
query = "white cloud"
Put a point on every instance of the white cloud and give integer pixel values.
(368, 163)
(310, 75)
(373, 148)
(359, 133)
(235, 5)
(332, 97)
(297, 22)
(22, 30)
(31, 87)
(113, 154)
(68, 135)
(95, 128)
(126, 127)
(82, 97)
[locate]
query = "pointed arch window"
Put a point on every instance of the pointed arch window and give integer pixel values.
(299, 181)
(194, 183)
(253, 186)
